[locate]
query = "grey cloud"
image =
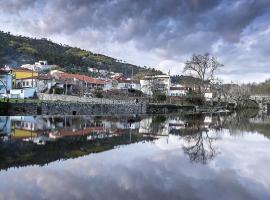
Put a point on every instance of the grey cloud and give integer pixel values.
(15, 5)
(153, 23)
(177, 28)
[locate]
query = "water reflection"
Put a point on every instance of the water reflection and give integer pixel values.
(135, 157)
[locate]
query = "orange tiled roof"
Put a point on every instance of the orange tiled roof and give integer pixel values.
(63, 132)
(88, 79)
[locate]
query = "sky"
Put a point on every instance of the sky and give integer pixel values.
(156, 33)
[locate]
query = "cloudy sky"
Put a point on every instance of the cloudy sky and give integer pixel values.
(156, 33)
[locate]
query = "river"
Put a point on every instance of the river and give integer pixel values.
(135, 157)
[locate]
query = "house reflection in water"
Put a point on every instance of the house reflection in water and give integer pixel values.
(40, 129)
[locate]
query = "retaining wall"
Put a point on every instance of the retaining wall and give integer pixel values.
(62, 108)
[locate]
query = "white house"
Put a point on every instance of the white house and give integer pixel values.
(39, 66)
(41, 83)
(103, 72)
(123, 84)
(107, 85)
(160, 83)
(5, 82)
(22, 93)
(90, 69)
(177, 91)
(135, 85)
(5, 125)
(208, 96)
(146, 85)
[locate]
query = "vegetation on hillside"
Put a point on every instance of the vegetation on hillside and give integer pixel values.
(18, 50)
(260, 88)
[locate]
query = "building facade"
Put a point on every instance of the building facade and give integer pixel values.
(5, 82)
(158, 83)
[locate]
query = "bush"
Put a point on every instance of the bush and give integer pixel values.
(159, 97)
(58, 90)
(135, 92)
(98, 94)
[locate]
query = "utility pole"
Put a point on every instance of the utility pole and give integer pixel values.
(66, 86)
(32, 78)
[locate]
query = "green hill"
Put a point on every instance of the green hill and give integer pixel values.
(18, 50)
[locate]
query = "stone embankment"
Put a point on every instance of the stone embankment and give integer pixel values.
(71, 105)
(65, 108)
(168, 108)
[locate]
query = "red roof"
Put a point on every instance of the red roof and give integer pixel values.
(87, 79)
(63, 132)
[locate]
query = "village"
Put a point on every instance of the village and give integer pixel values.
(30, 80)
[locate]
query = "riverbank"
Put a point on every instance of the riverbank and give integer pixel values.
(66, 108)
(105, 108)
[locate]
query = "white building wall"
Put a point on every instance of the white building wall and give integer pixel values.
(7, 80)
(146, 86)
(135, 86)
(123, 86)
(22, 93)
(208, 96)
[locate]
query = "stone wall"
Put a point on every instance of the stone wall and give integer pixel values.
(19, 108)
(91, 108)
(75, 99)
(69, 108)
(167, 108)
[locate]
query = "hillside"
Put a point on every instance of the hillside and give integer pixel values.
(18, 50)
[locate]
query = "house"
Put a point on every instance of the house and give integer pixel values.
(42, 62)
(124, 84)
(108, 85)
(135, 85)
(146, 85)
(39, 66)
(82, 80)
(22, 73)
(163, 83)
(23, 93)
(160, 83)
(41, 82)
(90, 69)
(116, 76)
(103, 72)
(5, 82)
(178, 91)
(5, 125)
(208, 96)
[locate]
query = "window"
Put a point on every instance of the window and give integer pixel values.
(27, 83)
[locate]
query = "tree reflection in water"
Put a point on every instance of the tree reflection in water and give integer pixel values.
(199, 147)
(199, 140)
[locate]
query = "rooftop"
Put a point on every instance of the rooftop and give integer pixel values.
(84, 78)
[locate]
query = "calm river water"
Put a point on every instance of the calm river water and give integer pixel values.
(135, 157)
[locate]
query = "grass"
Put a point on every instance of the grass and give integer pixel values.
(21, 100)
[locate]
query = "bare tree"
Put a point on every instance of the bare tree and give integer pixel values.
(202, 67)
(239, 94)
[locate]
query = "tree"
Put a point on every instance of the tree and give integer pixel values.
(202, 67)
(239, 94)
